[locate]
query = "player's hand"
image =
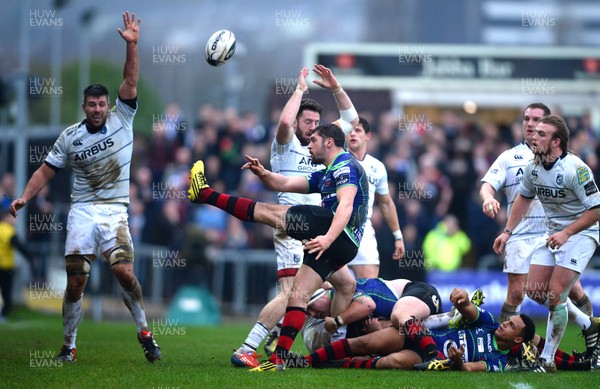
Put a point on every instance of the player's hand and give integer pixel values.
(372, 324)
(132, 28)
(456, 355)
(302, 79)
(556, 240)
(330, 325)
(398, 250)
(327, 80)
(459, 297)
(491, 207)
(254, 166)
(317, 244)
(500, 243)
(16, 205)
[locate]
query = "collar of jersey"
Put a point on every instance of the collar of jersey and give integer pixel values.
(496, 346)
(549, 167)
(335, 159)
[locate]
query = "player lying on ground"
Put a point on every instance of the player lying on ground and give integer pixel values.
(374, 298)
(482, 345)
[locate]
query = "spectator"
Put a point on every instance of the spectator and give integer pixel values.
(445, 246)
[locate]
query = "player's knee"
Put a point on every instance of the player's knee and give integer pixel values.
(121, 255)
(77, 265)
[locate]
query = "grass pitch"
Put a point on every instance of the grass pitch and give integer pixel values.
(109, 356)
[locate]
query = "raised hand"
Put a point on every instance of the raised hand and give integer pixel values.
(327, 80)
(132, 28)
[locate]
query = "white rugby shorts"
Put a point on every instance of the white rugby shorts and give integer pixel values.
(574, 254)
(289, 251)
(517, 254)
(96, 226)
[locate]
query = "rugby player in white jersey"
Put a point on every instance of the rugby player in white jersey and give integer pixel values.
(290, 157)
(565, 186)
(366, 263)
(506, 174)
(99, 151)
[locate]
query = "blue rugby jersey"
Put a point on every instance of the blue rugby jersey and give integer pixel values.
(344, 170)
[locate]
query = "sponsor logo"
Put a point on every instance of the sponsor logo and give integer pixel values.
(95, 149)
(518, 157)
(590, 188)
(534, 173)
(77, 142)
(583, 174)
(559, 179)
(550, 192)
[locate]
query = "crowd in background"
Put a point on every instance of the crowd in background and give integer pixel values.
(434, 171)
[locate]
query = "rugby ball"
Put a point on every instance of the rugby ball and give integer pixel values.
(220, 47)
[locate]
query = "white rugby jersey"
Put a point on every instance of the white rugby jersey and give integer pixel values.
(293, 160)
(506, 174)
(566, 191)
(378, 182)
(100, 161)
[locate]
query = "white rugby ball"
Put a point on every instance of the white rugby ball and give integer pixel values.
(220, 47)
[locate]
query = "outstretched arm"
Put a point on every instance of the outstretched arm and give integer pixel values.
(37, 181)
(349, 116)
(131, 70)
(388, 211)
(285, 128)
(275, 181)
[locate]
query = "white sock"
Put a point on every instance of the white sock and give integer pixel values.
(255, 337)
(72, 314)
(439, 320)
(557, 323)
(579, 317)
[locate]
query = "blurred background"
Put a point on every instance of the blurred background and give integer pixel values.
(443, 83)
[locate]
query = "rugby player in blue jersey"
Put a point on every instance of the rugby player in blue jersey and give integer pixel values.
(331, 233)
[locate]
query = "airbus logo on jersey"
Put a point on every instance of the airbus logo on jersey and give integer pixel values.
(550, 192)
(95, 149)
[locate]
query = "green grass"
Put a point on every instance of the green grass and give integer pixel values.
(198, 357)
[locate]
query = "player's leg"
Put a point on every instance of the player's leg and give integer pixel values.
(242, 208)
(403, 360)
(78, 270)
(382, 342)
(581, 299)
(407, 307)
(117, 248)
(560, 284)
(514, 296)
(79, 249)
(268, 318)
(344, 285)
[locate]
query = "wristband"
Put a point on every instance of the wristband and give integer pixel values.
(338, 321)
(397, 235)
(337, 90)
(507, 232)
(300, 89)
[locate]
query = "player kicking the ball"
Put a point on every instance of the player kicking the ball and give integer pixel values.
(331, 232)
(291, 157)
(99, 150)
